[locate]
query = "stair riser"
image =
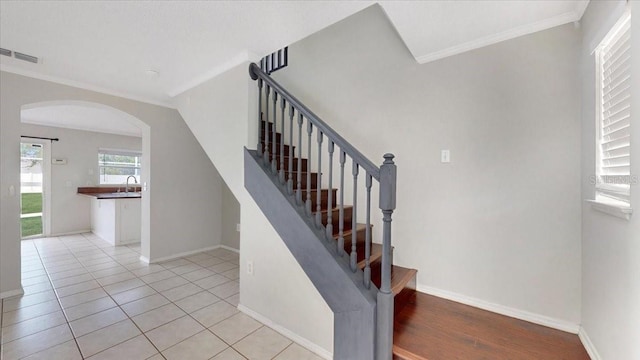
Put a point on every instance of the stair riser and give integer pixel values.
(335, 217)
(270, 137)
(304, 168)
(303, 180)
(360, 236)
(270, 126)
(324, 198)
(278, 148)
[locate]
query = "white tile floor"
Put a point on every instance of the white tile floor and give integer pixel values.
(85, 299)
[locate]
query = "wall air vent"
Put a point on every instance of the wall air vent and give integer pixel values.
(25, 57)
(5, 52)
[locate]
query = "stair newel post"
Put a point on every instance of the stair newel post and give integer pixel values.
(308, 202)
(274, 153)
(354, 220)
(266, 125)
(319, 187)
(259, 147)
(290, 168)
(384, 326)
(367, 237)
(341, 219)
(329, 228)
(299, 177)
(281, 172)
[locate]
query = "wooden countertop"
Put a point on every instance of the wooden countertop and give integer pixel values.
(111, 192)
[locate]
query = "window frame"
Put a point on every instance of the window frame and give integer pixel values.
(603, 189)
(120, 152)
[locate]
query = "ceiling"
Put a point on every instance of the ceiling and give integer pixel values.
(81, 117)
(108, 46)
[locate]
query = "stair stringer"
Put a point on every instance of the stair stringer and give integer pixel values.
(353, 305)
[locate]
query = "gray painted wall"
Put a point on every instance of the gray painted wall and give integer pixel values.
(610, 246)
(499, 226)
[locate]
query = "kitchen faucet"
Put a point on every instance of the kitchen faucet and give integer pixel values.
(126, 189)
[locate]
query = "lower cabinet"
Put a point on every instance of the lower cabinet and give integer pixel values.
(116, 220)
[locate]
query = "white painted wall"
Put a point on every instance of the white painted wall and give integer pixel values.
(70, 211)
(183, 198)
(230, 218)
(500, 225)
(222, 115)
(610, 246)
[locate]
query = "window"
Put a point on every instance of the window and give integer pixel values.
(116, 165)
(613, 59)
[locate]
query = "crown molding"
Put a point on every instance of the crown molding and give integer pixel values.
(82, 85)
(503, 36)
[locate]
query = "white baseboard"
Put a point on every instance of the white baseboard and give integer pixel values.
(144, 259)
(588, 345)
(237, 251)
(286, 332)
(503, 310)
(69, 233)
(183, 254)
(10, 293)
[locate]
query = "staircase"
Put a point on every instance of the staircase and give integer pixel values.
(323, 213)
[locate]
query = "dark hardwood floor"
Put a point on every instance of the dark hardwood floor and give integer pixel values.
(432, 328)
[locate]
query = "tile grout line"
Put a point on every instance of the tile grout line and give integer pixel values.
(158, 292)
(117, 305)
(59, 304)
(69, 251)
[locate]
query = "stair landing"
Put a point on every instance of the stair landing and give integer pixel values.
(433, 328)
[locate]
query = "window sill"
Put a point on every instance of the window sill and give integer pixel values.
(617, 210)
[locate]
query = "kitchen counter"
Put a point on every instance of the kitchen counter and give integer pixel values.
(111, 192)
(115, 214)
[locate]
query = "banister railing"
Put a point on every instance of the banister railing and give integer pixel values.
(289, 172)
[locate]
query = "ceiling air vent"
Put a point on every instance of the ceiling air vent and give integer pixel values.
(5, 52)
(25, 57)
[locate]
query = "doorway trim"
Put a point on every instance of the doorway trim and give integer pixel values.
(46, 186)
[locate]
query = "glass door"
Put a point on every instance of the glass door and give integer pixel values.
(31, 188)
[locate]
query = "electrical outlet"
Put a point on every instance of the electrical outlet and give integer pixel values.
(250, 267)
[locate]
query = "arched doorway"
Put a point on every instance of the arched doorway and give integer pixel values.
(98, 118)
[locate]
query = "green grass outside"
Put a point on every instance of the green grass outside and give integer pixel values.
(31, 203)
(31, 226)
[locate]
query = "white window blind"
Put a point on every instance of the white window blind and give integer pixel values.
(614, 100)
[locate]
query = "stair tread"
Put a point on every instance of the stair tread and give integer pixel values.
(376, 253)
(401, 277)
(345, 232)
(324, 211)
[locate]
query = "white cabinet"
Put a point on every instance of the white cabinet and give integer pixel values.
(116, 220)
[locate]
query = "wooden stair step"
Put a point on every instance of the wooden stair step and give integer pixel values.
(305, 163)
(434, 328)
(347, 233)
(303, 179)
(376, 256)
(335, 216)
(270, 136)
(324, 197)
(401, 277)
(278, 148)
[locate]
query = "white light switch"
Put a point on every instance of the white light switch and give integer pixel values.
(12, 190)
(238, 227)
(445, 156)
